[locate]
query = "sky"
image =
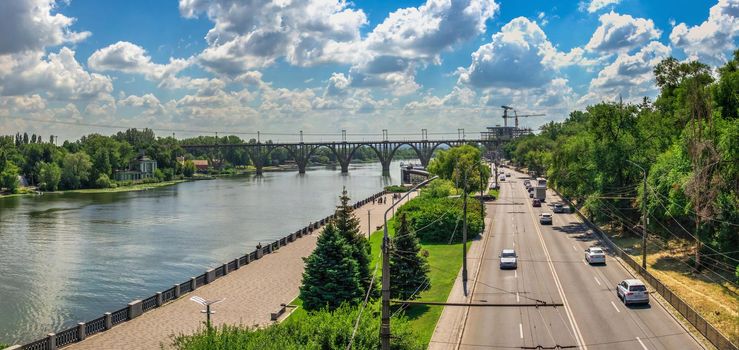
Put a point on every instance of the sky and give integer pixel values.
(197, 67)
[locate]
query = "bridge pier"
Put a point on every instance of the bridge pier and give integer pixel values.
(386, 168)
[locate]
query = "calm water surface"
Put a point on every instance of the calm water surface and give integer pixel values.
(70, 258)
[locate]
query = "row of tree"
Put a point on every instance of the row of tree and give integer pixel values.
(687, 140)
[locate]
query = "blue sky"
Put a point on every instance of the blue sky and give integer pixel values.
(327, 65)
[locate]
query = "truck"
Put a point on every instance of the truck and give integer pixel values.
(540, 193)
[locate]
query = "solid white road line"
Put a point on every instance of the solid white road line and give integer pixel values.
(642, 344)
(614, 306)
(570, 315)
(520, 332)
(597, 281)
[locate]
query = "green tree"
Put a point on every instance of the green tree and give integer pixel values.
(458, 163)
(9, 177)
(189, 169)
(408, 268)
(331, 275)
(50, 175)
(348, 226)
(103, 181)
(76, 170)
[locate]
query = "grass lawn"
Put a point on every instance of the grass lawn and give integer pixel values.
(136, 187)
(445, 261)
(717, 302)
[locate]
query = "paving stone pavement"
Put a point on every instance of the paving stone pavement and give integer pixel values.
(251, 293)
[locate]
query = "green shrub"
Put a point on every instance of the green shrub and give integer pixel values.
(434, 219)
(103, 182)
(318, 330)
(396, 189)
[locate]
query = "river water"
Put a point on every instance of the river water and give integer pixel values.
(68, 258)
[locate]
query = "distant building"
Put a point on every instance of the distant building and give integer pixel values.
(142, 167)
(201, 165)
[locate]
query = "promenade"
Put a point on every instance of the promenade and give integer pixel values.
(251, 293)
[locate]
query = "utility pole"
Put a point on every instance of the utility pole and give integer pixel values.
(464, 232)
(483, 187)
(369, 225)
(385, 318)
(643, 218)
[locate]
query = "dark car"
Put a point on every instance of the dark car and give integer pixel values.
(536, 202)
(559, 208)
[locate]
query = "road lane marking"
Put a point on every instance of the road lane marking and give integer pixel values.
(520, 332)
(515, 274)
(642, 344)
(614, 306)
(517, 298)
(570, 315)
(597, 281)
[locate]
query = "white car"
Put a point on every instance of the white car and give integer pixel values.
(508, 259)
(595, 255)
(632, 291)
(545, 219)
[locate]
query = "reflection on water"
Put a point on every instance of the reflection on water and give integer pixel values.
(71, 257)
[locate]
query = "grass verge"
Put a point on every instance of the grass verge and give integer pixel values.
(710, 294)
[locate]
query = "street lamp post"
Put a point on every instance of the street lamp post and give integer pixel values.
(643, 218)
(385, 321)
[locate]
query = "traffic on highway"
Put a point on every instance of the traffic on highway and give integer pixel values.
(538, 251)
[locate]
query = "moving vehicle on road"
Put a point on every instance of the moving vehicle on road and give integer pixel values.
(531, 194)
(508, 259)
(595, 255)
(559, 208)
(536, 203)
(507, 174)
(632, 291)
(545, 219)
(540, 193)
(501, 177)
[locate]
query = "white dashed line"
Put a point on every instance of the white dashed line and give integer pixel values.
(517, 298)
(520, 332)
(596, 280)
(515, 274)
(573, 248)
(642, 344)
(614, 306)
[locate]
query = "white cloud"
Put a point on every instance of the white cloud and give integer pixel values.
(248, 35)
(519, 56)
(595, 5)
(622, 33)
(712, 39)
(126, 57)
(629, 76)
(58, 76)
(30, 25)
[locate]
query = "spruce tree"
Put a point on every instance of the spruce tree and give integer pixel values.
(408, 269)
(330, 277)
(348, 226)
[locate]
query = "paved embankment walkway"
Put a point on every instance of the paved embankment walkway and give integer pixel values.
(252, 293)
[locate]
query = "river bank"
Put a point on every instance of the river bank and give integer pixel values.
(110, 248)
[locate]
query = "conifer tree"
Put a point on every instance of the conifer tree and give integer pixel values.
(408, 268)
(348, 226)
(330, 277)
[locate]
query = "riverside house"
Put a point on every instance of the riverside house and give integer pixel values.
(142, 167)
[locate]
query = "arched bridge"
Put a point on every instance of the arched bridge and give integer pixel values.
(343, 150)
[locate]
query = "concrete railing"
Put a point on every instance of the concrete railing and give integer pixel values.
(136, 308)
(713, 335)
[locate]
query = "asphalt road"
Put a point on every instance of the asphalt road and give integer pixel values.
(552, 268)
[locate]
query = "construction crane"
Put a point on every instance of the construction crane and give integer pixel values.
(515, 115)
